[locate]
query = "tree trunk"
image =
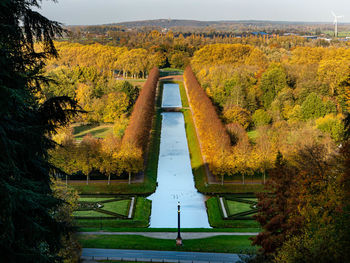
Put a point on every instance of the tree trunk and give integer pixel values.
(264, 176)
(222, 179)
(129, 177)
(243, 178)
(87, 179)
(66, 180)
(109, 179)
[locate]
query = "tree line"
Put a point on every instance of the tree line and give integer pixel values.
(109, 60)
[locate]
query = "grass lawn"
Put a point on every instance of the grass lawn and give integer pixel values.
(235, 207)
(141, 217)
(224, 244)
(140, 229)
(115, 188)
(120, 207)
(216, 220)
(90, 213)
(94, 199)
(136, 82)
(96, 130)
(172, 69)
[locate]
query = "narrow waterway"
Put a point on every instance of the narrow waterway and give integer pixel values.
(175, 178)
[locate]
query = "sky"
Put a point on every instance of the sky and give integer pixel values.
(94, 12)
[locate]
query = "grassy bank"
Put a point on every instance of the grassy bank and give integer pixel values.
(216, 220)
(224, 244)
(140, 219)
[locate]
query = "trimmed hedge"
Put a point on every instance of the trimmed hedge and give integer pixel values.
(216, 220)
(138, 130)
(140, 218)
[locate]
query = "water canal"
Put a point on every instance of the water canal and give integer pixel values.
(175, 178)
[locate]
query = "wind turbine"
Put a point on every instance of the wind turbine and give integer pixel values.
(335, 22)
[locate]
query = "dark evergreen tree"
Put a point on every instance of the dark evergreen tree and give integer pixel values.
(28, 229)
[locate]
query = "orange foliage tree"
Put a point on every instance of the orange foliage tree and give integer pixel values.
(138, 130)
(215, 141)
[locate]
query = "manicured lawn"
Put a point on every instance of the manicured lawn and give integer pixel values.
(90, 213)
(235, 207)
(120, 207)
(172, 69)
(141, 218)
(225, 244)
(145, 188)
(216, 220)
(96, 130)
(94, 199)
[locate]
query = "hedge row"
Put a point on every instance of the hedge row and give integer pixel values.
(214, 139)
(138, 130)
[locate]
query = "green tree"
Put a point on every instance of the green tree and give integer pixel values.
(272, 82)
(261, 117)
(29, 232)
(313, 107)
(332, 125)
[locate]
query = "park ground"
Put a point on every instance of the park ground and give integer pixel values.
(139, 223)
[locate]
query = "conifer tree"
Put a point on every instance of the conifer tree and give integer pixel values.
(29, 231)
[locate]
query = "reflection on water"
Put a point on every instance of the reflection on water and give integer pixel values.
(175, 179)
(171, 95)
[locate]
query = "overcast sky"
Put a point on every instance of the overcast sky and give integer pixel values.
(92, 12)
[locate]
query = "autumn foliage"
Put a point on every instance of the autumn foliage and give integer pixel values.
(215, 141)
(137, 132)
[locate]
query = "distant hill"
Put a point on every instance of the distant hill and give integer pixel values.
(168, 23)
(208, 27)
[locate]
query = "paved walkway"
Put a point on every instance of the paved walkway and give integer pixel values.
(173, 235)
(156, 256)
